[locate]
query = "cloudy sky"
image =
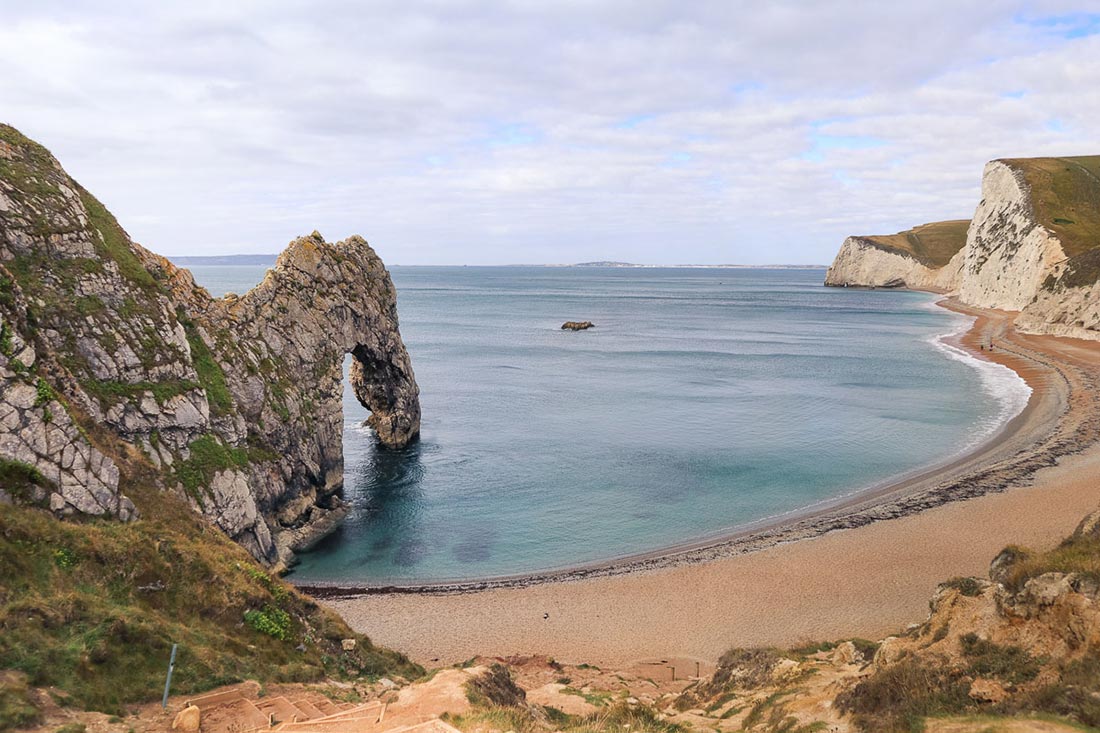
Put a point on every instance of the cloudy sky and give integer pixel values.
(465, 132)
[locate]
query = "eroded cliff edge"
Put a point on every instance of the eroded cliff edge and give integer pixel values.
(115, 367)
(1033, 246)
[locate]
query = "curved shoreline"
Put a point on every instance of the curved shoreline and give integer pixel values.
(1033, 439)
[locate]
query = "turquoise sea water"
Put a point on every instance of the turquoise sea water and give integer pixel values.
(703, 401)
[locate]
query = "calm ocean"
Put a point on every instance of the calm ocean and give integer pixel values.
(703, 400)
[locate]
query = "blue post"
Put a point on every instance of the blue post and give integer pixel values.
(168, 682)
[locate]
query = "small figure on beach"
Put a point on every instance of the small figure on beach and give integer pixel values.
(545, 616)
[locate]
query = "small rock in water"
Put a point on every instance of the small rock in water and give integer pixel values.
(577, 325)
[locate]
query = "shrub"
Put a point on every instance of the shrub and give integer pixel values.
(495, 687)
(1008, 663)
(271, 620)
(967, 586)
(72, 728)
(43, 393)
(20, 479)
(17, 709)
(897, 697)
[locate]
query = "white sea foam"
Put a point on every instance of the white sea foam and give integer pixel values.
(1007, 388)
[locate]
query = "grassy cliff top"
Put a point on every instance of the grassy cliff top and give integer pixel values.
(1066, 195)
(931, 244)
(92, 608)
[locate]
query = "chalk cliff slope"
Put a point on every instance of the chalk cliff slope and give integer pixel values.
(1033, 246)
(108, 353)
(924, 257)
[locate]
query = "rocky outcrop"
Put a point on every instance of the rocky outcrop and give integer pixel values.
(1033, 246)
(864, 262)
(232, 402)
(577, 325)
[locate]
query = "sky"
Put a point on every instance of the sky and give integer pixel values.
(455, 132)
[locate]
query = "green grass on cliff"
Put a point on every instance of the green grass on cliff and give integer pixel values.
(1078, 554)
(93, 608)
(209, 371)
(931, 244)
(1066, 195)
(114, 244)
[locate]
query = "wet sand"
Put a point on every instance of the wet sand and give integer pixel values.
(863, 567)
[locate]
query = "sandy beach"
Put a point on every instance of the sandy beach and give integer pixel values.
(864, 566)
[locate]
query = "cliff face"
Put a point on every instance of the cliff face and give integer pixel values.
(1033, 246)
(864, 262)
(110, 356)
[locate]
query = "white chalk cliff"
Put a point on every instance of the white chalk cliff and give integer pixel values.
(1030, 247)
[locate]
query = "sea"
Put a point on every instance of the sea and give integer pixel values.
(703, 402)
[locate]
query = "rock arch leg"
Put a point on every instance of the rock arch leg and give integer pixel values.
(383, 382)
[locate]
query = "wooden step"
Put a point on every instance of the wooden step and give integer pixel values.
(221, 697)
(342, 725)
(282, 709)
(309, 710)
(234, 716)
(435, 725)
(359, 711)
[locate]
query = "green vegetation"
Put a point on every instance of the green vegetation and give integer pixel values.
(44, 393)
(1073, 696)
(1066, 195)
(967, 586)
(495, 687)
(599, 699)
(208, 456)
(72, 728)
(20, 479)
(89, 305)
(30, 172)
(94, 607)
(210, 372)
(534, 719)
(6, 345)
(1009, 664)
(110, 391)
(865, 647)
(499, 704)
(271, 620)
(933, 245)
(1078, 554)
(897, 697)
(738, 669)
(1080, 271)
(17, 708)
(114, 244)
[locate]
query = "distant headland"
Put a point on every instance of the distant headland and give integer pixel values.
(269, 261)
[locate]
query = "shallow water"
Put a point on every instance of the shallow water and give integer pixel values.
(702, 401)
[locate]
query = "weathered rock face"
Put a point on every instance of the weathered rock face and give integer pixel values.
(1016, 255)
(235, 402)
(862, 262)
(1008, 254)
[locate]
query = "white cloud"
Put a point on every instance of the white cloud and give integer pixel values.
(451, 132)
